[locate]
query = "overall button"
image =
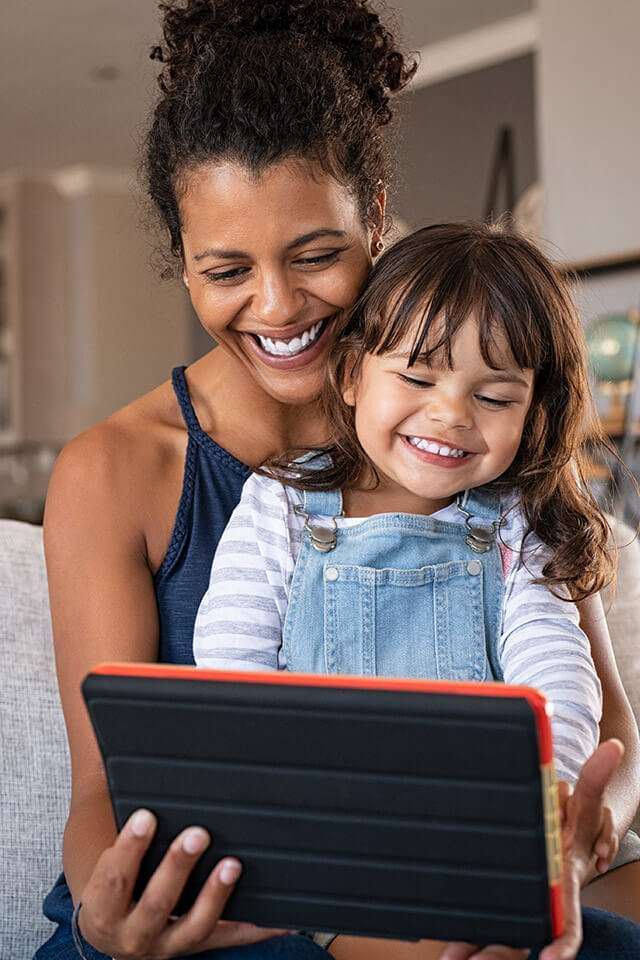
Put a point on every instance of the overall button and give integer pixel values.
(331, 574)
(474, 567)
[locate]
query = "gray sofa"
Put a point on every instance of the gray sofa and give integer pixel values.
(34, 764)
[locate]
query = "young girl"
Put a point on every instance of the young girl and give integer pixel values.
(446, 530)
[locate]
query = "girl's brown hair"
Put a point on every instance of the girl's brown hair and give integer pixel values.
(429, 284)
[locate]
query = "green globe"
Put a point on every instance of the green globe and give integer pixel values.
(611, 341)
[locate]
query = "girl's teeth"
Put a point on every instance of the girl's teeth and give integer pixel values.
(289, 348)
(432, 447)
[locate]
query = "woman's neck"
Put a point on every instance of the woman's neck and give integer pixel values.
(242, 418)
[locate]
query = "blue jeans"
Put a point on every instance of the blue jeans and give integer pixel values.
(606, 937)
(58, 907)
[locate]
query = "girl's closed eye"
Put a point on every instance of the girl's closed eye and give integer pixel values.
(495, 402)
(415, 381)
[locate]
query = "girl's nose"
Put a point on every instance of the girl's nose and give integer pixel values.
(276, 300)
(453, 413)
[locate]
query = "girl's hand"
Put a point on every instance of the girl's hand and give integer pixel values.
(112, 923)
(589, 840)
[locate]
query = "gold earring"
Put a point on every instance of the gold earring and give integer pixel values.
(378, 246)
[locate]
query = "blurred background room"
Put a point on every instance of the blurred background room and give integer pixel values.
(527, 107)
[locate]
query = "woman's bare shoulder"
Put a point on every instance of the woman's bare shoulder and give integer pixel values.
(128, 443)
(125, 467)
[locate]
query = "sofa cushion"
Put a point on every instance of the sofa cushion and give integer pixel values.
(622, 607)
(34, 763)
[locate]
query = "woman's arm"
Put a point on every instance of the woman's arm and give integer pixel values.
(623, 791)
(103, 609)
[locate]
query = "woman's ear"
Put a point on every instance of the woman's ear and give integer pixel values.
(185, 279)
(377, 221)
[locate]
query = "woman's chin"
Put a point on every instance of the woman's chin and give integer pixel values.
(296, 389)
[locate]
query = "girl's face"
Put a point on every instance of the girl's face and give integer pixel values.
(433, 432)
(270, 262)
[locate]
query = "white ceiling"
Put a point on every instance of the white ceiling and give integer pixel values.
(54, 113)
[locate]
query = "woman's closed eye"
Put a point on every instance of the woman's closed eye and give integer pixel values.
(234, 274)
(222, 276)
(320, 259)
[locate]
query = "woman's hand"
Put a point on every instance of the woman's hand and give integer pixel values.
(589, 844)
(588, 828)
(114, 924)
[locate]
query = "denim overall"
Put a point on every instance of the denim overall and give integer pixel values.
(397, 594)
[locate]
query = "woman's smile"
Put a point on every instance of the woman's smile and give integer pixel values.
(297, 349)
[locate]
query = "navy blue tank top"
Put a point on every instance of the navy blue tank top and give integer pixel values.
(211, 489)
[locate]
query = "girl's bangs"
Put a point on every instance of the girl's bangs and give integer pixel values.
(428, 312)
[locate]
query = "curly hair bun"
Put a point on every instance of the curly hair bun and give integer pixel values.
(256, 82)
(203, 29)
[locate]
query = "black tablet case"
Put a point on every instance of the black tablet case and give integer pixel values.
(363, 811)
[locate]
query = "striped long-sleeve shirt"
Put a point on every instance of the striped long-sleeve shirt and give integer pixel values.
(241, 617)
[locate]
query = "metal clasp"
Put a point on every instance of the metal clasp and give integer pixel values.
(479, 538)
(323, 539)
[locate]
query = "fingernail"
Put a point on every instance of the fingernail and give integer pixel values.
(141, 822)
(230, 871)
(195, 840)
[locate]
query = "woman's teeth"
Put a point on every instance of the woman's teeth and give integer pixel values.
(432, 447)
(289, 348)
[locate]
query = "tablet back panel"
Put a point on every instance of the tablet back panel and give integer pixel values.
(354, 809)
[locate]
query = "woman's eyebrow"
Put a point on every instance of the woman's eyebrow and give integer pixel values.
(316, 235)
(220, 253)
(224, 254)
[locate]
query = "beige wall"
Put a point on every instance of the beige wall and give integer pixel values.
(448, 137)
(589, 125)
(97, 326)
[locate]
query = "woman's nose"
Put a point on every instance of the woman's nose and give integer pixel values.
(276, 300)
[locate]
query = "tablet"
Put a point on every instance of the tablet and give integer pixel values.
(389, 808)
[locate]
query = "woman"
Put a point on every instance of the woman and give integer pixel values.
(267, 164)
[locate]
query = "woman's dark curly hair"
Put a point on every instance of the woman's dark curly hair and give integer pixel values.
(256, 82)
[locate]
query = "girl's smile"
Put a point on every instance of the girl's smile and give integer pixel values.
(433, 431)
(437, 452)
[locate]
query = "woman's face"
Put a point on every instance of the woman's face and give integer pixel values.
(270, 262)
